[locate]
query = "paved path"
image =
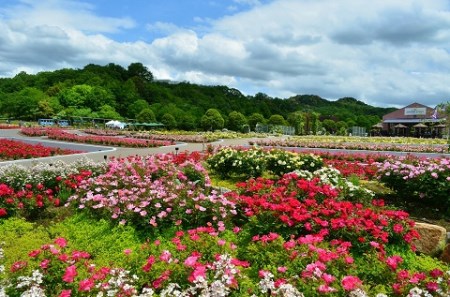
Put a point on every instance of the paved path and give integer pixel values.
(99, 153)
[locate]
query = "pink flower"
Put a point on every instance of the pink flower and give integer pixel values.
(199, 271)
(282, 269)
(221, 242)
(62, 242)
(191, 261)
(65, 293)
(328, 278)
(165, 256)
(70, 274)
(398, 228)
(325, 289)
(350, 282)
(127, 251)
(86, 285)
(393, 261)
(44, 263)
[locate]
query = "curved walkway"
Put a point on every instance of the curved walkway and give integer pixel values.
(100, 153)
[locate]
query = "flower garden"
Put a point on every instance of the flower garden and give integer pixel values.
(396, 144)
(60, 134)
(13, 150)
(288, 224)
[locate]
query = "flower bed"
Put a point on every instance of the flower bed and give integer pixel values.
(9, 126)
(344, 145)
(424, 181)
(13, 150)
(59, 134)
(168, 232)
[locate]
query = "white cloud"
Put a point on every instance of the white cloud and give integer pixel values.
(385, 52)
(65, 14)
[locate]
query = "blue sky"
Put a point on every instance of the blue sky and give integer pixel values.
(384, 52)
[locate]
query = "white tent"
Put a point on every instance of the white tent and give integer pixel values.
(115, 124)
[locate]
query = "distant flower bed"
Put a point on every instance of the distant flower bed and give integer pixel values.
(38, 131)
(102, 132)
(9, 126)
(336, 143)
(13, 150)
(59, 134)
(173, 137)
(193, 137)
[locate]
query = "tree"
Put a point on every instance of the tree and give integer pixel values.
(169, 121)
(75, 96)
(146, 116)
(48, 107)
(277, 120)
(296, 120)
(187, 122)
(212, 120)
(136, 107)
(329, 125)
(23, 104)
(108, 112)
(254, 119)
(236, 121)
(139, 70)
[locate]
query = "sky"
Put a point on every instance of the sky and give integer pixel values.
(386, 53)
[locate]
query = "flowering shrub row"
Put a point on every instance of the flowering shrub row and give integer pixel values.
(359, 139)
(9, 126)
(297, 206)
(206, 261)
(153, 190)
(29, 191)
(13, 150)
(59, 134)
(31, 201)
(313, 143)
(253, 162)
(425, 181)
(38, 131)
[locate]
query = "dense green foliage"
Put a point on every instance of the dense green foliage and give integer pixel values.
(112, 91)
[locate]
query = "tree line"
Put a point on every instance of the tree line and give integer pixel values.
(115, 92)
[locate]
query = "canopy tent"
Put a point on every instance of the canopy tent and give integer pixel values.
(401, 126)
(378, 126)
(115, 124)
(420, 125)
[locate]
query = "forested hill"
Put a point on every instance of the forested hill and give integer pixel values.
(112, 91)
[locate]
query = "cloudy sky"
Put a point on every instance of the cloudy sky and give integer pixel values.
(383, 52)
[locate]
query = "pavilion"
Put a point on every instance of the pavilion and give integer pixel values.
(415, 120)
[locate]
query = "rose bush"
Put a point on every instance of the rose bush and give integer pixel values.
(13, 150)
(423, 181)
